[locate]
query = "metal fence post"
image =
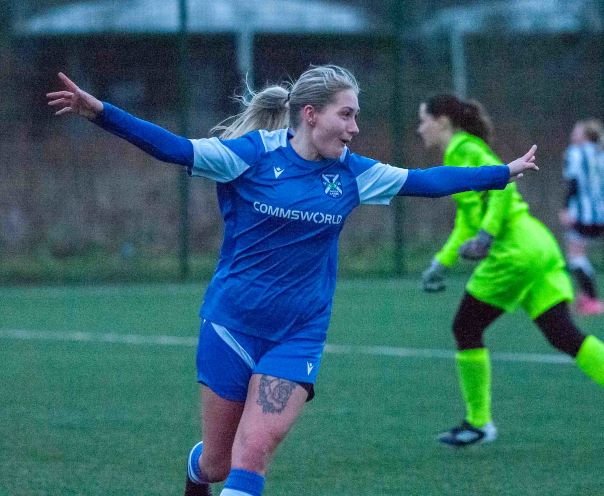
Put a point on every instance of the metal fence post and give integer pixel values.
(396, 126)
(184, 98)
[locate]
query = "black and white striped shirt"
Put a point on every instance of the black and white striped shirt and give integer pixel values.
(584, 170)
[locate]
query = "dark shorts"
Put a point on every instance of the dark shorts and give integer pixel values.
(589, 231)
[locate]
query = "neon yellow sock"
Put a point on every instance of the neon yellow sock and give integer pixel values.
(590, 359)
(474, 369)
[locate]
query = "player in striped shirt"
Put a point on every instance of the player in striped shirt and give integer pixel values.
(583, 216)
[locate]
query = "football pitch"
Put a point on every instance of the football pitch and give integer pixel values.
(98, 397)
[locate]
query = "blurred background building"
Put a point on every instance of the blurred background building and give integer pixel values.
(70, 192)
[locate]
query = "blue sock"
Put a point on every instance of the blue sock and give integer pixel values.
(193, 465)
(243, 483)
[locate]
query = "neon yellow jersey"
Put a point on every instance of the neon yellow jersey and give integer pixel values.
(487, 210)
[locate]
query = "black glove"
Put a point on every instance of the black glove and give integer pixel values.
(433, 278)
(478, 247)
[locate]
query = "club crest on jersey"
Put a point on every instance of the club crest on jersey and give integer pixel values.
(332, 185)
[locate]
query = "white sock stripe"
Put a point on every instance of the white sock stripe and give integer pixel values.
(190, 469)
(233, 492)
(192, 476)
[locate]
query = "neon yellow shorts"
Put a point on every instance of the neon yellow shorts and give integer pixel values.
(525, 268)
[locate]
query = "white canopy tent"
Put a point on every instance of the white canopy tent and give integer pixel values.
(242, 18)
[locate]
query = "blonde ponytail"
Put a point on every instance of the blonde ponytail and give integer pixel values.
(267, 109)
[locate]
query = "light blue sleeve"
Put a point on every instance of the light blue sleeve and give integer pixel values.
(213, 159)
(377, 183)
(225, 160)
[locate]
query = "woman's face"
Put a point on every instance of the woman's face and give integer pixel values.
(335, 125)
(430, 128)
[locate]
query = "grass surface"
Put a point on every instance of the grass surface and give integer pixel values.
(93, 417)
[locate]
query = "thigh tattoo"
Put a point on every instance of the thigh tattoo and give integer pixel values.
(274, 393)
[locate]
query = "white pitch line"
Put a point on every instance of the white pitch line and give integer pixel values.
(75, 336)
(432, 353)
(141, 340)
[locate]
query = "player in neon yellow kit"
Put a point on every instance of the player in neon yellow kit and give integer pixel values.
(520, 266)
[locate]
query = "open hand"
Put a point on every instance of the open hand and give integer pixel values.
(74, 100)
(526, 162)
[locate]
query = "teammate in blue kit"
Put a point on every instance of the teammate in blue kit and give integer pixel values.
(286, 182)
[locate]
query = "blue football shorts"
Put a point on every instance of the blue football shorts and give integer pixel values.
(226, 360)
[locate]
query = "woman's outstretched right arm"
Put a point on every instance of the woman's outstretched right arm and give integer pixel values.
(149, 137)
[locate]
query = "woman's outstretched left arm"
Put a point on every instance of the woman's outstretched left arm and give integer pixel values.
(445, 180)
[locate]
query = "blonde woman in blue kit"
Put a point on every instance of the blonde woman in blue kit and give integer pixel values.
(284, 194)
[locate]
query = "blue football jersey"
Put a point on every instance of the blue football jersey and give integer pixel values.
(283, 216)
